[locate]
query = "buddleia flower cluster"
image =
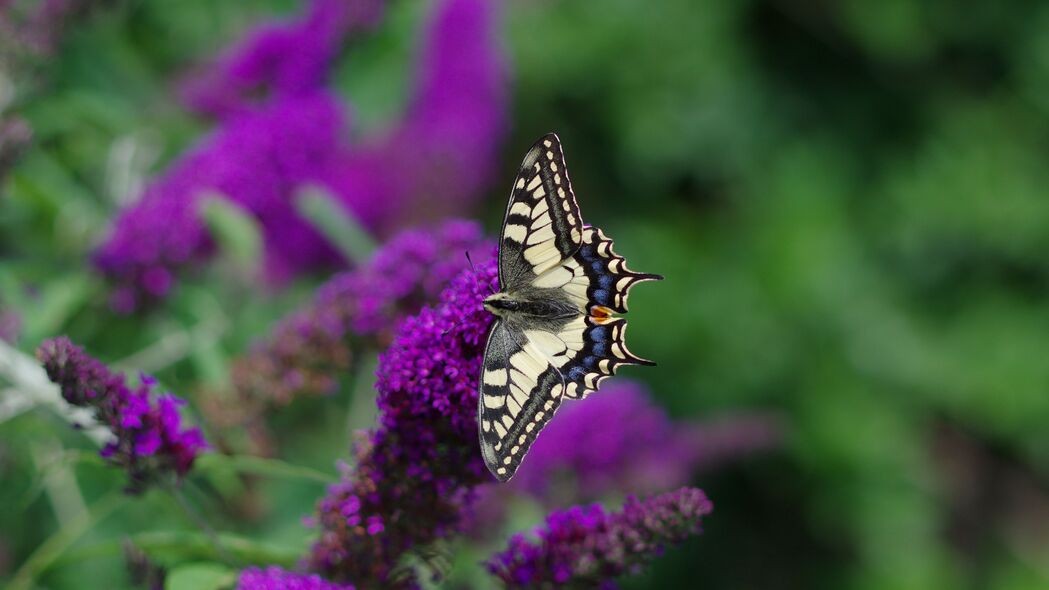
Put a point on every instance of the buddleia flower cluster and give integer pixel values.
(587, 546)
(149, 440)
(275, 578)
(355, 310)
(417, 471)
(272, 104)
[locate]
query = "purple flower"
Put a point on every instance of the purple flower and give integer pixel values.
(258, 159)
(618, 440)
(418, 469)
(589, 547)
(442, 154)
(306, 352)
(275, 578)
(279, 59)
(149, 440)
(436, 161)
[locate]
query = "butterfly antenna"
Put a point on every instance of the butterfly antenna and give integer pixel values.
(472, 269)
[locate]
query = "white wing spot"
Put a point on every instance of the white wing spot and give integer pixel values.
(520, 208)
(536, 181)
(515, 232)
(496, 377)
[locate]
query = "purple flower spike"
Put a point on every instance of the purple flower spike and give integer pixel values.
(438, 159)
(307, 351)
(279, 59)
(435, 162)
(618, 440)
(275, 578)
(588, 547)
(418, 469)
(258, 160)
(149, 440)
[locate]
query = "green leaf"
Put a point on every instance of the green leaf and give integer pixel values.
(189, 546)
(260, 466)
(336, 223)
(59, 300)
(235, 229)
(200, 576)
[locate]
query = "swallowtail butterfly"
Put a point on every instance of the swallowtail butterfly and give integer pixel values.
(556, 335)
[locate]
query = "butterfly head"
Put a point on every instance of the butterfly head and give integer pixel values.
(500, 303)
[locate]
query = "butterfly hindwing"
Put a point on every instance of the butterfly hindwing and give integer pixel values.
(542, 226)
(520, 391)
(603, 352)
(608, 279)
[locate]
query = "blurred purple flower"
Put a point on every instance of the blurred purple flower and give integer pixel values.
(416, 472)
(149, 440)
(258, 159)
(275, 578)
(442, 154)
(279, 60)
(435, 162)
(305, 353)
(618, 440)
(589, 547)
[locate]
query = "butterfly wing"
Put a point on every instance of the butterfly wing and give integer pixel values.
(600, 279)
(520, 391)
(542, 226)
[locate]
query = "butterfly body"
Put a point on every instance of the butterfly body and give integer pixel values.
(557, 335)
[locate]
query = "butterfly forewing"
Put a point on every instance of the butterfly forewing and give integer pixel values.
(520, 391)
(542, 226)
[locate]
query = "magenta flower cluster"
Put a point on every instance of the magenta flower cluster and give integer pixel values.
(280, 128)
(307, 351)
(615, 438)
(149, 440)
(417, 471)
(587, 547)
(275, 578)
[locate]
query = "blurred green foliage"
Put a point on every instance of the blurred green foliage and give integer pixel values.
(850, 201)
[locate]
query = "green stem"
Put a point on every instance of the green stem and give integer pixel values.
(203, 526)
(62, 539)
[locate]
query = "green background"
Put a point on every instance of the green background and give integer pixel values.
(849, 200)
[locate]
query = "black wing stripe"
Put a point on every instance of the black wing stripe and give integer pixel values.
(610, 280)
(542, 226)
(519, 393)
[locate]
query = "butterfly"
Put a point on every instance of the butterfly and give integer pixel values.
(556, 335)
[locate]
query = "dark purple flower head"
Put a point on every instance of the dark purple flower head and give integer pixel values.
(149, 440)
(587, 547)
(275, 578)
(433, 163)
(279, 59)
(257, 160)
(615, 440)
(441, 155)
(418, 469)
(308, 351)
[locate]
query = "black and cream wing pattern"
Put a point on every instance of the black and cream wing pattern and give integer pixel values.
(556, 335)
